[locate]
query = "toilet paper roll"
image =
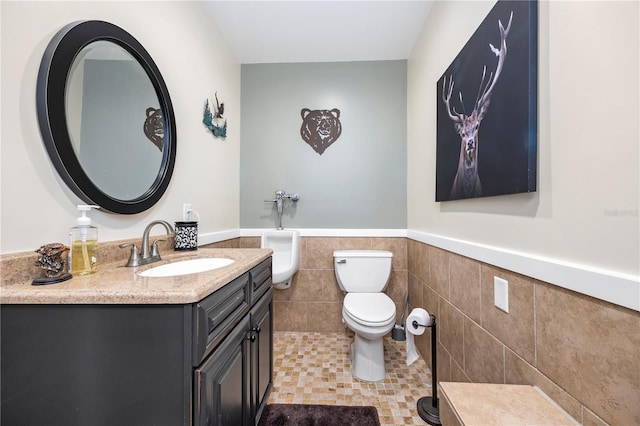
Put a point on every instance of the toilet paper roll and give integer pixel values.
(418, 316)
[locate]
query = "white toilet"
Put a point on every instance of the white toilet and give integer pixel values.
(363, 275)
(285, 244)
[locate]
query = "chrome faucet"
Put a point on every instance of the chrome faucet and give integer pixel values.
(148, 255)
(281, 196)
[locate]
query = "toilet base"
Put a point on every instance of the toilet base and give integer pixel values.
(367, 359)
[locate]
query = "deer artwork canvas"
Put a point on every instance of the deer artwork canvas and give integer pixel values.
(487, 108)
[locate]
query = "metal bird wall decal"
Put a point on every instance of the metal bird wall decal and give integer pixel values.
(213, 121)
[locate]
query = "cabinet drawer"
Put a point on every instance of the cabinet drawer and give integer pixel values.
(215, 316)
(260, 279)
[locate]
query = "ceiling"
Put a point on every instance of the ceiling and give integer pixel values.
(319, 31)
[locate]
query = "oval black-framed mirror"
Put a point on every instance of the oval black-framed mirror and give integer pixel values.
(89, 144)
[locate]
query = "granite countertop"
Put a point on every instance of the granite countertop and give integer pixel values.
(498, 404)
(118, 284)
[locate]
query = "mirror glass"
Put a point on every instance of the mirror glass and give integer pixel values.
(114, 119)
(106, 117)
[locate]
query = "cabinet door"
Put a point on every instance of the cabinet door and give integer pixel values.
(261, 353)
(221, 383)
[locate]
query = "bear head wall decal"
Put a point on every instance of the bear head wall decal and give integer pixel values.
(154, 127)
(320, 128)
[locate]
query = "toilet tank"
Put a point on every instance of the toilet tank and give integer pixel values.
(362, 271)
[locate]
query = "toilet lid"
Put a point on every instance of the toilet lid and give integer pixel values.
(370, 308)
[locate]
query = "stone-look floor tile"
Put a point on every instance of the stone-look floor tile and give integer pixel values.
(464, 282)
(483, 355)
(439, 271)
(518, 371)
(591, 348)
(516, 328)
(314, 368)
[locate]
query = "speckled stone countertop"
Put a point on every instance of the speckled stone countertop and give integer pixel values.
(118, 284)
(497, 404)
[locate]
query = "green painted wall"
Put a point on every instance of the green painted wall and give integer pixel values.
(360, 181)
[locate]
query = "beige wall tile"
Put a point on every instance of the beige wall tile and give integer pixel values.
(249, 242)
(451, 331)
(290, 316)
(483, 355)
(457, 374)
(418, 260)
(397, 286)
(590, 348)
(516, 328)
(439, 271)
(354, 243)
(423, 345)
(431, 303)
(464, 281)
(282, 295)
(315, 281)
(324, 317)
(517, 371)
(415, 291)
(590, 419)
(303, 253)
(307, 285)
(444, 364)
(319, 253)
(398, 246)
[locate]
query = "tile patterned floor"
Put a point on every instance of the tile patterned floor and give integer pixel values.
(314, 368)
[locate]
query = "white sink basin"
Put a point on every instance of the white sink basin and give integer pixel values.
(184, 267)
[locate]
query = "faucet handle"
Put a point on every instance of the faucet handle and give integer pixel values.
(134, 256)
(154, 247)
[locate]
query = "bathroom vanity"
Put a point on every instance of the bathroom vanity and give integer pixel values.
(184, 350)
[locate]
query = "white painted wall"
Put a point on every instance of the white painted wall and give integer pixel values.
(585, 212)
(36, 206)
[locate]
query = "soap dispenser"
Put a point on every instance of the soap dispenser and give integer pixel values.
(83, 240)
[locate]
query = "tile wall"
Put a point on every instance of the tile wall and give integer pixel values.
(583, 352)
(314, 301)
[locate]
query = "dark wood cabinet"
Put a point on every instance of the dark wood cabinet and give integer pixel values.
(261, 351)
(208, 363)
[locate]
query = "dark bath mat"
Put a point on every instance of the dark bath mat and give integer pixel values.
(318, 415)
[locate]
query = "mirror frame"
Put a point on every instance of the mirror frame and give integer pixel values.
(52, 113)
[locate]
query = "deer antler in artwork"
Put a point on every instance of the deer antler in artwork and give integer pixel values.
(467, 182)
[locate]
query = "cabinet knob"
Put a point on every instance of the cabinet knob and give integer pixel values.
(251, 337)
(257, 329)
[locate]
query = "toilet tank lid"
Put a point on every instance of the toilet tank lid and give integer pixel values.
(362, 253)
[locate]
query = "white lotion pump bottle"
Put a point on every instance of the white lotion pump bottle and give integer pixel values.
(83, 240)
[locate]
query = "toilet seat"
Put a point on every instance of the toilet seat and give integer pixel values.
(370, 309)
